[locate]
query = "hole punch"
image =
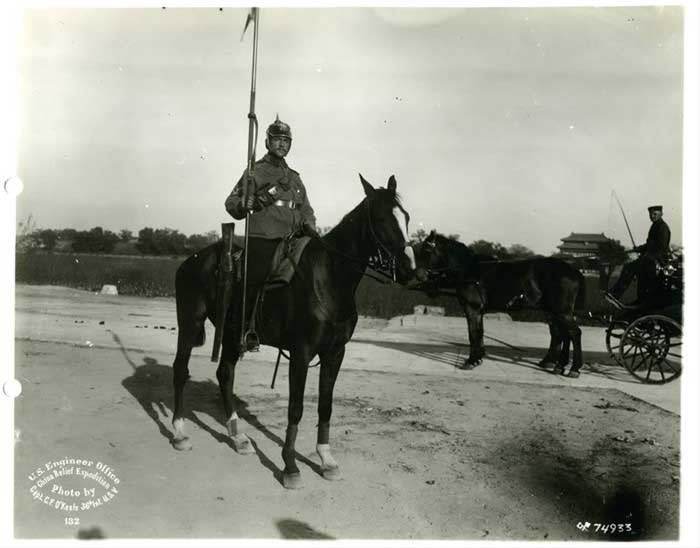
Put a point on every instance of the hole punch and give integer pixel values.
(12, 388)
(14, 186)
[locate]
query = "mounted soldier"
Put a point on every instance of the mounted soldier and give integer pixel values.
(274, 197)
(653, 254)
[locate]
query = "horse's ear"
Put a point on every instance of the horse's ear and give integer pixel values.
(369, 189)
(391, 185)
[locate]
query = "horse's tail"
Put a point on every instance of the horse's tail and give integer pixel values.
(189, 303)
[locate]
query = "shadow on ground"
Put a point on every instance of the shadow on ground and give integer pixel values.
(453, 353)
(592, 491)
(151, 384)
(291, 528)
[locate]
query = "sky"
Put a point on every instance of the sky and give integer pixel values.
(512, 125)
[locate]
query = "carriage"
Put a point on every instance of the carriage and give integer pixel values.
(646, 339)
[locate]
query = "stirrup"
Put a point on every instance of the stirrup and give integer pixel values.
(251, 341)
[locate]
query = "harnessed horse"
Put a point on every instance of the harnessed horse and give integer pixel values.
(314, 315)
(481, 284)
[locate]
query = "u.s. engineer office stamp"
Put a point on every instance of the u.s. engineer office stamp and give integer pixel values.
(74, 485)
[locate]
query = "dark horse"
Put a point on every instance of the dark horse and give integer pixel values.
(314, 315)
(482, 283)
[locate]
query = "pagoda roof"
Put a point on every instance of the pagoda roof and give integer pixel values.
(585, 237)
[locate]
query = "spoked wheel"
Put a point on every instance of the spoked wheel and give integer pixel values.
(650, 349)
(613, 335)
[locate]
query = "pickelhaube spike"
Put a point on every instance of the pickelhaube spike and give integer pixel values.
(279, 129)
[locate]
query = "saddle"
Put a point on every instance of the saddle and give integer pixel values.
(282, 268)
(284, 261)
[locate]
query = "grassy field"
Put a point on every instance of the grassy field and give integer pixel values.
(133, 275)
(150, 276)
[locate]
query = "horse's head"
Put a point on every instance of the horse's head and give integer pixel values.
(430, 256)
(388, 224)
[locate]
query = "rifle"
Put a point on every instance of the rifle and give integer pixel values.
(224, 286)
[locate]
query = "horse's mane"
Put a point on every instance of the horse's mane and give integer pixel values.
(381, 193)
(457, 249)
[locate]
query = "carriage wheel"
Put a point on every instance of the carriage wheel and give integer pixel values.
(650, 349)
(613, 334)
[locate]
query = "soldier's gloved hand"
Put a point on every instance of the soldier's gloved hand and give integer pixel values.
(250, 203)
(265, 199)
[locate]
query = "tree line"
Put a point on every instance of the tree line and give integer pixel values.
(168, 241)
(148, 241)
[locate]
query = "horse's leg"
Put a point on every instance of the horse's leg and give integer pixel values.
(480, 336)
(555, 341)
(574, 332)
(475, 320)
(471, 300)
(330, 366)
(561, 356)
(298, 367)
(191, 308)
(563, 359)
(225, 374)
(180, 375)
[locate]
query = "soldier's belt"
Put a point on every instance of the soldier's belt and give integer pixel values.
(285, 203)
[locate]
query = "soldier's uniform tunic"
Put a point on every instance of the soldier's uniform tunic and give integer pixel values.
(284, 209)
(658, 241)
(654, 251)
(289, 209)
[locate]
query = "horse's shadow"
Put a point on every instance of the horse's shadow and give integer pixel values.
(151, 384)
(453, 353)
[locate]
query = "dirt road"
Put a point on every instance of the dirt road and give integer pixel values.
(427, 451)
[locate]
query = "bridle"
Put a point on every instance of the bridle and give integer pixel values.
(439, 274)
(383, 261)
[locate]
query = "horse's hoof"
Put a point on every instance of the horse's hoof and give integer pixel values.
(182, 444)
(331, 473)
(292, 481)
(558, 370)
(242, 444)
(574, 374)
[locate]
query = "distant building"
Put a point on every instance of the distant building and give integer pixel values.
(581, 249)
(579, 244)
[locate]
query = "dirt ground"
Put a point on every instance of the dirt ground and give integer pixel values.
(427, 451)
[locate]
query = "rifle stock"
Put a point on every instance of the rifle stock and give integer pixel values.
(223, 287)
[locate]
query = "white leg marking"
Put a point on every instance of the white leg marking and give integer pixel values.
(324, 451)
(232, 424)
(179, 425)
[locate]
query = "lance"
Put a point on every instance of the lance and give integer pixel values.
(252, 138)
(624, 217)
